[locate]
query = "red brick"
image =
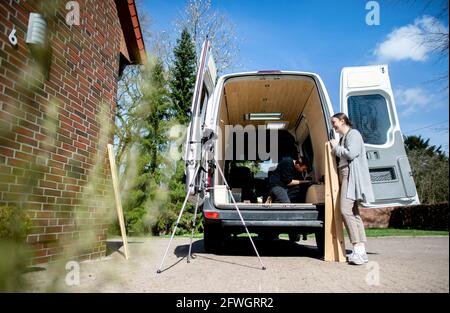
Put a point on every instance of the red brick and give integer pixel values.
(32, 238)
(64, 153)
(40, 222)
(24, 131)
(47, 184)
(6, 152)
(26, 140)
(53, 178)
(9, 143)
(69, 147)
(44, 214)
(27, 149)
(73, 188)
(50, 237)
(52, 163)
(24, 156)
(18, 163)
(40, 260)
(57, 171)
(52, 192)
(66, 221)
(53, 229)
(63, 214)
(59, 158)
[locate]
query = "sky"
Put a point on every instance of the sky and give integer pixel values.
(325, 36)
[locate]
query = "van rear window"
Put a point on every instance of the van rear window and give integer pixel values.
(369, 114)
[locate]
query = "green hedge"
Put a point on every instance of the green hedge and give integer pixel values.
(425, 216)
(15, 224)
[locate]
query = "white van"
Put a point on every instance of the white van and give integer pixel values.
(298, 103)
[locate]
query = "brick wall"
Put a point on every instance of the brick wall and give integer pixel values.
(82, 73)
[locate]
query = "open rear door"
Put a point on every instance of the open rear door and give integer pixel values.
(203, 91)
(367, 99)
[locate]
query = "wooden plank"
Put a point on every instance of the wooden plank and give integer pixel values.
(337, 216)
(115, 180)
(328, 222)
(334, 235)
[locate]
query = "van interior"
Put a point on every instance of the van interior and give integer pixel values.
(293, 105)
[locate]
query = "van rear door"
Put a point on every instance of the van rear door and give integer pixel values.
(368, 100)
(203, 90)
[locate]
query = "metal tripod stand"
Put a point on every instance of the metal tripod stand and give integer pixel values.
(191, 186)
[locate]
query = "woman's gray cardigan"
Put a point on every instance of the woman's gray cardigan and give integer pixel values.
(359, 184)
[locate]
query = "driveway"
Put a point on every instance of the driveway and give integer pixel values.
(397, 264)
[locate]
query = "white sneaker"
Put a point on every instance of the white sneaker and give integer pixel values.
(364, 257)
(358, 259)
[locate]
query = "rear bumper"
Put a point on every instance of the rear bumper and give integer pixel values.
(275, 224)
(301, 216)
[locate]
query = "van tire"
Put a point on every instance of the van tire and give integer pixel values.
(320, 241)
(212, 238)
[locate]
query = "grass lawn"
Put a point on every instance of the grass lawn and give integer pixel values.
(370, 232)
(383, 232)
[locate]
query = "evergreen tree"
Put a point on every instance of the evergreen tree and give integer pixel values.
(419, 143)
(183, 77)
(181, 84)
(146, 158)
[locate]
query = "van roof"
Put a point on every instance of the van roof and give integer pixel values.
(268, 72)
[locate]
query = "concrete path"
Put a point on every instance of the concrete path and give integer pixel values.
(397, 264)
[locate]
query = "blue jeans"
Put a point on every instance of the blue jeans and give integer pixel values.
(279, 195)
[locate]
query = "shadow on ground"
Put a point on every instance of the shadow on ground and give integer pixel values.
(242, 246)
(115, 245)
(33, 269)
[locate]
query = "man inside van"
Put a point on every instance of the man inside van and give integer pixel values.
(289, 181)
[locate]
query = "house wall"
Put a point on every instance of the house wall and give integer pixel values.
(83, 73)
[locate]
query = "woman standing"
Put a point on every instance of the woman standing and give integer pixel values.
(355, 183)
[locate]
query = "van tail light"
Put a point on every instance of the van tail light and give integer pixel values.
(212, 215)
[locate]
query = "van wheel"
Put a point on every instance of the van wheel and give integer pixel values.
(320, 241)
(212, 238)
(294, 237)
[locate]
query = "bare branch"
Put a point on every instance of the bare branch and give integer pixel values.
(204, 22)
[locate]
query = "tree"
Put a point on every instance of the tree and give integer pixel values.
(430, 170)
(182, 82)
(435, 34)
(128, 119)
(155, 140)
(182, 78)
(418, 143)
(203, 22)
(168, 216)
(430, 175)
(142, 161)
